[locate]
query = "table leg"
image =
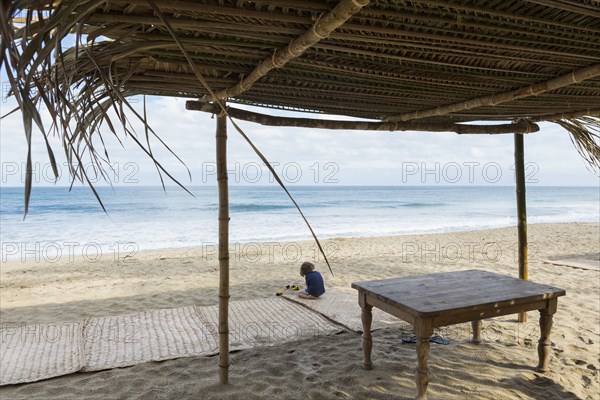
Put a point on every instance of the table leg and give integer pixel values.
(367, 341)
(476, 331)
(424, 331)
(545, 328)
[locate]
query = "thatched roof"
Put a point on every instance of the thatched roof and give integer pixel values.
(390, 58)
(417, 61)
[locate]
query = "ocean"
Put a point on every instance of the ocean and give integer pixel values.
(144, 218)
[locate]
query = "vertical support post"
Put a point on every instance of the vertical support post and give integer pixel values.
(223, 248)
(521, 212)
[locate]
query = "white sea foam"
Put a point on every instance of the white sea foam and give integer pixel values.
(71, 223)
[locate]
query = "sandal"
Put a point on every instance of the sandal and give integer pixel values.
(435, 339)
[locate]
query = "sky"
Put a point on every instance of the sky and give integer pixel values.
(304, 156)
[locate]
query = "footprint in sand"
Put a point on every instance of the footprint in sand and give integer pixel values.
(586, 381)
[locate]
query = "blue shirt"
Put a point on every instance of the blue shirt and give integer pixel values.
(314, 284)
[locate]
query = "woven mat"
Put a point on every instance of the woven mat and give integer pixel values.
(154, 335)
(30, 353)
(342, 307)
(577, 262)
(268, 321)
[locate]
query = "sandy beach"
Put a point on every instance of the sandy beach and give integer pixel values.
(326, 367)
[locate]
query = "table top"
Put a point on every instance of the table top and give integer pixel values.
(435, 294)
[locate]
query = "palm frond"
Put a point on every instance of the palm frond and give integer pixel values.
(585, 136)
(76, 89)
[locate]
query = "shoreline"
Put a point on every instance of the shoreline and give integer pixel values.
(302, 242)
(152, 275)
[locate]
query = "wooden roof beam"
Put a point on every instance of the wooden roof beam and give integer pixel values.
(320, 30)
(522, 126)
(580, 75)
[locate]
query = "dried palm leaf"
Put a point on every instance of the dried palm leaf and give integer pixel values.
(76, 92)
(585, 136)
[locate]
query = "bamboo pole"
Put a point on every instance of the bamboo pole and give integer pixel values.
(570, 115)
(521, 212)
(187, 7)
(192, 7)
(223, 248)
(583, 9)
(522, 126)
(507, 16)
(258, 33)
(320, 30)
(410, 37)
(532, 90)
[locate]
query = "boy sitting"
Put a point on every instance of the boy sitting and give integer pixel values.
(315, 286)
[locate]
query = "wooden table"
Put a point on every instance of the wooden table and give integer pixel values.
(431, 301)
